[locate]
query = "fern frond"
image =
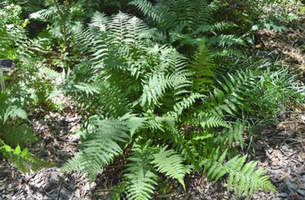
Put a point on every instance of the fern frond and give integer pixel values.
(243, 176)
(222, 26)
(99, 147)
(206, 120)
(46, 15)
(230, 99)
(202, 66)
(148, 9)
(225, 40)
(15, 134)
(232, 134)
(171, 163)
(140, 175)
(186, 103)
(99, 21)
(126, 28)
(154, 89)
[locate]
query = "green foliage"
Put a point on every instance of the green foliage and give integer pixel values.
(139, 95)
(202, 66)
(186, 22)
(229, 97)
(23, 159)
(243, 176)
(24, 86)
(171, 163)
(166, 93)
(99, 146)
(141, 176)
(16, 135)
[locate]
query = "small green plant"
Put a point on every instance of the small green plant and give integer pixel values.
(15, 136)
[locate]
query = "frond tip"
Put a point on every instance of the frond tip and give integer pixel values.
(171, 163)
(244, 177)
(140, 175)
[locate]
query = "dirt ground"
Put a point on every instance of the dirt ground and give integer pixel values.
(280, 148)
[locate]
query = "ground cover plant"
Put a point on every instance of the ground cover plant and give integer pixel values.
(171, 92)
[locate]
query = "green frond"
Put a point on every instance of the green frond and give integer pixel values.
(201, 66)
(226, 53)
(16, 133)
(14, 111)
(126, 29)
(99, 146)
(100, 21)
(148, 9)
(22, 159)
(225, 40)
(223, 25)
(230, 98)
(140, 175)
(233, 133)
(206, 120)
(155, 88)
(46, 15)
(171, 163)
(186, 103)
(243, 176)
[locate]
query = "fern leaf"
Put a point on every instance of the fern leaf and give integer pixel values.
(225, 40)
(232, 133)
(154, 89)
(206, 120)
(242, 175)
(202, 66)
(231, 98)
(186, 103)
(15, 134)
(147, 8)
(171, 163)
(99, 147)
(140, 175)
(15, 111)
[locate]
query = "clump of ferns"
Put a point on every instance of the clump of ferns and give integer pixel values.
(154, 103)
(184, 23)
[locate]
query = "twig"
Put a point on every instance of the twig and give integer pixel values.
(60, 186)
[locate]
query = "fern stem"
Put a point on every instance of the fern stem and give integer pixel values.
(62, 21)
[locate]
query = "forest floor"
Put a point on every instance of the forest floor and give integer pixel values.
(280, 148)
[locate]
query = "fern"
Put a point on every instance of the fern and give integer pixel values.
(138, 94)
(232, 95)
(232, 134)
(15, 135)
(186, 22)
(140, 174)
(202, 66)
(242, 175)
(99, 146)
(170, 163)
